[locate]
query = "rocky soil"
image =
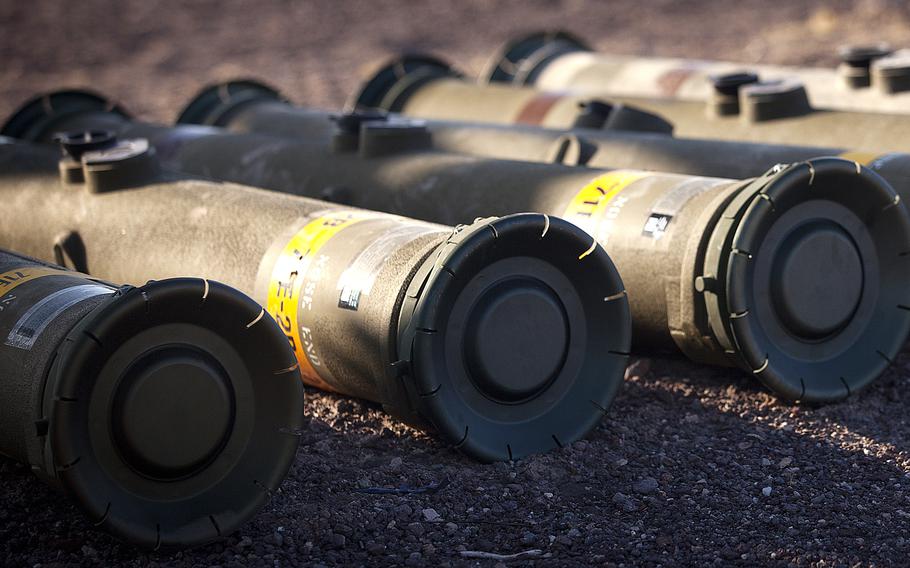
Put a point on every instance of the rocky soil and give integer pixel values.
(690, 467)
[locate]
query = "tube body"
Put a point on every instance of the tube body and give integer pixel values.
(690, 80)
(443, 187)
(486, 332)
(456, 99)
(659, 228)
(88, 369)
(232, 234)
(24, 283)
(578, 146)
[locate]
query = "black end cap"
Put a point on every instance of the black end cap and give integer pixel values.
(174, 412)
(394, 80)
(37, 119)
(815, 265)
(215, 104)
(520, 60)
(520, 337)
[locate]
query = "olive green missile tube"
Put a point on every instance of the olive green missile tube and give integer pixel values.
(870, 78)
(797, 277)
(168, 413)
(247, 106)
(774, 112)
(508, 336)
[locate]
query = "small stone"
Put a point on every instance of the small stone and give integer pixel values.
(416, 529)
(375, 548)
(528, 538)
(765, 462)
(573, 533)
(766, 491)
(548, 495)
(89, 551)
(638, 368)
(430, 515)
(625, 503)
(451, 527)
(338, 540)
(363, 483)
(621, 462)
(245, 542)
(645, 486)
(785, 462)
(395, 463)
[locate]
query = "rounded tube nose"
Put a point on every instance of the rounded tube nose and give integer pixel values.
(519, 340)
(173, 412)
(812, 265)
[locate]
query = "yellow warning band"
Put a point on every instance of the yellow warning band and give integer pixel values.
(294, 277)
(15, 277)
(590, 204)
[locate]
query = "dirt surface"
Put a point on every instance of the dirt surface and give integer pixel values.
(691, 466)
(153, 55)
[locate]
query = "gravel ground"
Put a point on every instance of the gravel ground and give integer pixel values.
(692, 466)
(153, 55)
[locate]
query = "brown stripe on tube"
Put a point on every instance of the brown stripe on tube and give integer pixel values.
(537, 108)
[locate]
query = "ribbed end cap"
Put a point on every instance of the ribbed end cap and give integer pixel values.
(388, 87)
(37, 119)
(519, 60)
(215, 104)
(812, 263)
(519, 338)
(175, 412)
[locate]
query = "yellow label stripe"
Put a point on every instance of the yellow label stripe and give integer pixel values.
(590, 208)
(592, 200)
(294, 278)
(18, 276)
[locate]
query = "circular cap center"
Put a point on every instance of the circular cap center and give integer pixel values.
(517, 338)
(173, 411)
(817, 281)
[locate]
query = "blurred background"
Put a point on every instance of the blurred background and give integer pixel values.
(153, 55)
